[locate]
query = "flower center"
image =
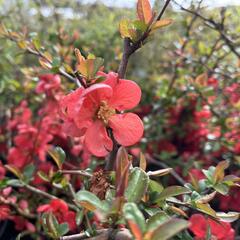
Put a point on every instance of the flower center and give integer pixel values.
(105, 112)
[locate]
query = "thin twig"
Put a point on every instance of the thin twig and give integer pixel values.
(164, 165)
(76, 172)
(129, 48)
(17, 209)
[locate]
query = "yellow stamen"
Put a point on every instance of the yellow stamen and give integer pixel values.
(105, 112)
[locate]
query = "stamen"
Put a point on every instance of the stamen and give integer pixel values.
(105, 112)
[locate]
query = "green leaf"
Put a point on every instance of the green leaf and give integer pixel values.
(14, 170)
(208, 233)
(228, 217)
(139, 25)
(124, 26)
(169, 229)
(172, 191)
(137, 185)
(43, 176)
(50, 225)
(222, 188)
(205, 208)
(135, 218)
(155, 186)
(209, 173)
(89, 201)
(98, 62)
(156, 220)
(28, 172)
(79, 217)
(36, 43)
(58, 155)
(219, 171)
(62, 229)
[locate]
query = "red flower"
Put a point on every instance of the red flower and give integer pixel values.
(60, 210)
(47, 83)
(91, 111)
(221, 231)
(4, 212)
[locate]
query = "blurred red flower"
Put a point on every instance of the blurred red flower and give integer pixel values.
(199, 226)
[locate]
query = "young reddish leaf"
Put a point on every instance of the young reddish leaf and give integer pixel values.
(194, 181)
(44, 63)
(14, 170)
(144, 11)
(143, 162)
(135, 219)
(122, 184)
(201, 80)
(135, 230)
(121, 161)
(219, 171)
(161, 23)
(179, 211)
(79, 56)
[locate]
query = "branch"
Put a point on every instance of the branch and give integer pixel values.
(129, 47)
(45, 194)
(164, 165)
(18, 210)
(215, 26)
(102, 234)
(61, 71)
(76, 172)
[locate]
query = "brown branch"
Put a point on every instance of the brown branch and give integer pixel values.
(102, 234)
(164, 165)
(130, 47)
(61, 71)
(46, 195)
(215, 26)
(76, 172)
(17, 209)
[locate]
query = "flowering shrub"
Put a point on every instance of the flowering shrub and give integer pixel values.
(81, 157)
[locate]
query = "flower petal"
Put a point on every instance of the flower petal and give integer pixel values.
(111, 79)
(127, 128)
(97, 141)
(126, 95)
(89, 103)
(68, 103)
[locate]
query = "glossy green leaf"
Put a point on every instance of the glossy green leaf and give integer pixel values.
(58, 155)
(172, 192)
(89, 201)
(228, 217)
(156, 220)
(132, 214)
(137, 185)
(169, 229)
